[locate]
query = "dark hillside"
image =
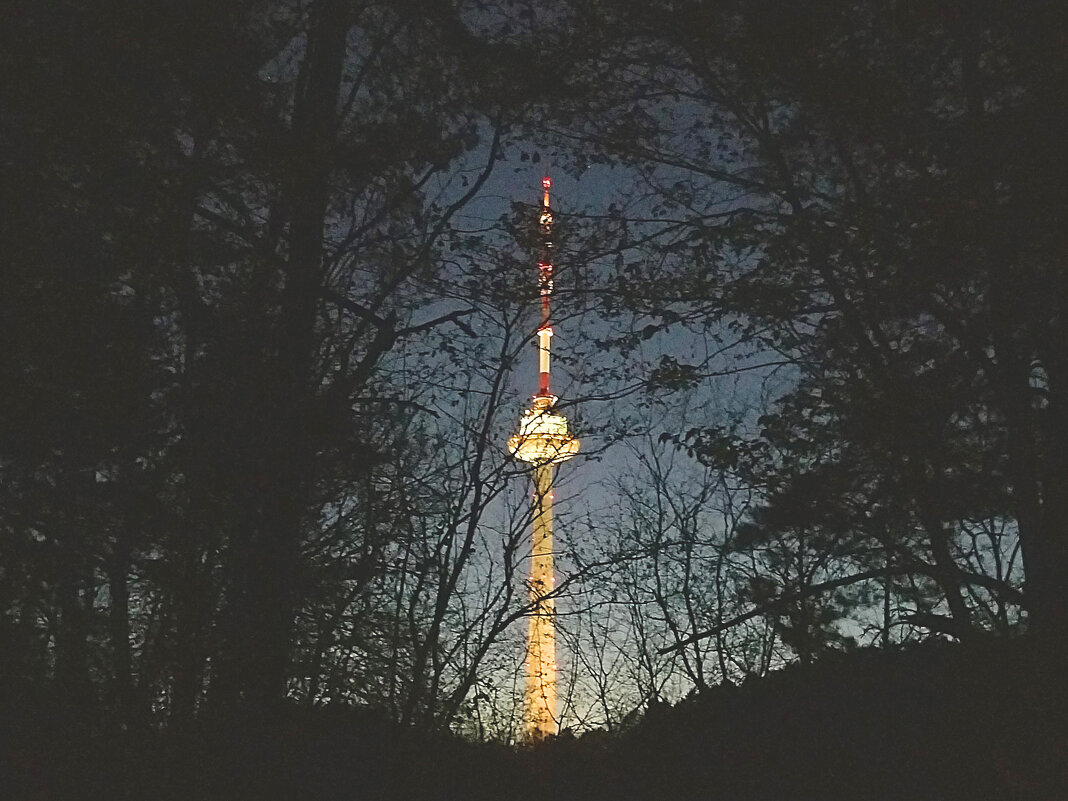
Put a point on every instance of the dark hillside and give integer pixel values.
(936, 721)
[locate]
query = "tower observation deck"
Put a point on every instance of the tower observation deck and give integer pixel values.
(544, 441)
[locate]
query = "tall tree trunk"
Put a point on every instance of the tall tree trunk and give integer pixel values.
(946, 571)
(119, 629)
(269, 558)
(72, 647)
(1049, 593)
(192, 596)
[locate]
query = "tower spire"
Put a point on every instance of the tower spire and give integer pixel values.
(544, 441)
(545, 288)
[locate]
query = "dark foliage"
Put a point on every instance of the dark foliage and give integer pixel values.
(984, 720)
(236, 494)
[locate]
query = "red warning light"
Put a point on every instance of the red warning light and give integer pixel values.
(547, 182)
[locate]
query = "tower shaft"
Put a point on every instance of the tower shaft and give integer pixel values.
(540, 697)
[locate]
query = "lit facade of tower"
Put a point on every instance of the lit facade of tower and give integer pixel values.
(544, 441)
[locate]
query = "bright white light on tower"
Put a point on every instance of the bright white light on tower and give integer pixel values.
(543, 436)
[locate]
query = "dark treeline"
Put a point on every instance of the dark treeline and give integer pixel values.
(235, 267)
(970, 721)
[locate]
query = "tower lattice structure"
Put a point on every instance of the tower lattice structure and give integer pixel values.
(543, 440)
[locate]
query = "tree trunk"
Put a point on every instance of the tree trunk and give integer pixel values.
(72, 648)
(947, 573)
(1049, 593)
(119, 629)
(267, 560)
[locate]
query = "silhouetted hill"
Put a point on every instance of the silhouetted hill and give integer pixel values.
(934, 721)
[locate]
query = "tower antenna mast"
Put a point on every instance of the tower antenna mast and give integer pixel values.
(544, 441)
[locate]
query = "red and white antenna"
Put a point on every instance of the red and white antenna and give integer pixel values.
(545, 286)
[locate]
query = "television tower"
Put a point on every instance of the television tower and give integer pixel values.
(544, 441)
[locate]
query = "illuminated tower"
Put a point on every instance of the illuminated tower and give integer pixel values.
(544, 441)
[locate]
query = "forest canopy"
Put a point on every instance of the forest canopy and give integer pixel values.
(267, 306)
